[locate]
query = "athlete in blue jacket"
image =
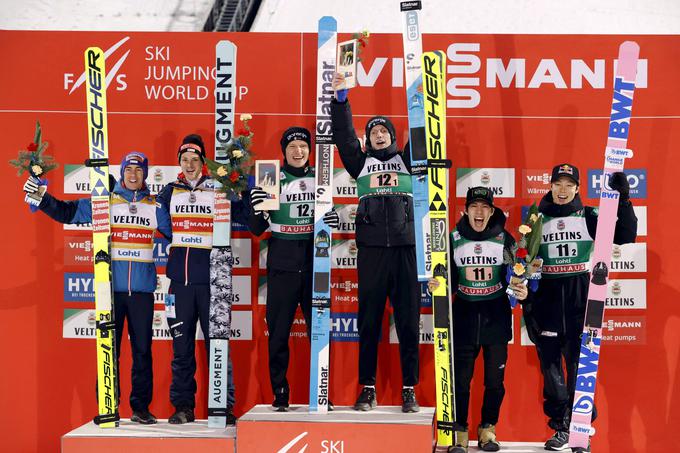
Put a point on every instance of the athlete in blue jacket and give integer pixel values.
(134, 218)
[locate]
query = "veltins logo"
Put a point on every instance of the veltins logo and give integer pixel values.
(344, 254)
(343, 184)
(501, 181)
(629, 257)
(112, 74)
(626, 294)
(637, 178)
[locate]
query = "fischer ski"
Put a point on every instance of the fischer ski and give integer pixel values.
(221, 258)
(107, 373)
(615, 155)
(437, 167)
(413, 50)
(323, 202)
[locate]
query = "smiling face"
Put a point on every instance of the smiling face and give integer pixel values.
(297, 153)
(191, 165)
(380, 137)
(133, 177)
(564, 190)
(479, 213)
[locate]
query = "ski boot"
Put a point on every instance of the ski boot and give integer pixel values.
(461, 443)
(486, 435)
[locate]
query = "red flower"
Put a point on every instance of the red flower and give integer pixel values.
(32, 147)
(362, 42)
(522, 253)
(243, 131)
(233, 177)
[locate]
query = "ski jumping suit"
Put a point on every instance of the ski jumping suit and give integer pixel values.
(482, 319)
(386, 262)
(554, 314)
(289, 265)
(134, 218)
(191, 211)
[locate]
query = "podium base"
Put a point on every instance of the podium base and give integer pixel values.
(132, 437)
(344, 430)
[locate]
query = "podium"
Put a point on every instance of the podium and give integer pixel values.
(344, 430)
(162, 437)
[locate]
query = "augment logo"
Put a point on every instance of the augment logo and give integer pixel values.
(111, 73)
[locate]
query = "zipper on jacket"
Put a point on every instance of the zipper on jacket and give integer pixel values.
(129, 278)
(387, 221)
(564, 314)
(186, 267)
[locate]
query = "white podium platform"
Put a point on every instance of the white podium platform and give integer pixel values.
(344, 430)
(162, 437)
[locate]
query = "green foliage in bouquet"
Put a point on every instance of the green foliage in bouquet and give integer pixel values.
(526, 249)
(33, 159)
(233, 174)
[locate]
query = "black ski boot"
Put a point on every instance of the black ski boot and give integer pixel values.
(366, 400)
(182, 415)
(409, 402)
(143, 417)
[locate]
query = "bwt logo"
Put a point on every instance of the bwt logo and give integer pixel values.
(637, 178)
(111, 71)
(468, 72)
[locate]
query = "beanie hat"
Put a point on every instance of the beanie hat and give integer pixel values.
(295, 133)
(135, 158)
(192, 143)
(380, 121)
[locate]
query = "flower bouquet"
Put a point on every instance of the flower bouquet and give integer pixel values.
(362, 41)
(34, 161)
(523, 263)
(233, 173)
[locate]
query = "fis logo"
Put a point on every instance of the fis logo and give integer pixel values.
(112, 73)
(637, 178)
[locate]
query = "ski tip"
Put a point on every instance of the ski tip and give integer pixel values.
(629, 47)
(328, 22)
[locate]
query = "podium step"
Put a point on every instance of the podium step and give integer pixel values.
(162, 437)
(344, 430)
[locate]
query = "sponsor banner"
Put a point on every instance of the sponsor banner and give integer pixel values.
(500, 180)
(625, 330)
(78, 287)
(629, 257)
(77, 226)
(344, 327)
(347, 214)
(241, 286)
(425, 295)
(80, 323)
(637, 178)
(78, 251)
(535, 183)
(261, 290)
(298, 328)
(162, 287)
(426, 330)
(77, 177)
(344, 254)
(161, 251)
(626, 293)
(243, 256)
(344, 185)
(641, 214)
(344, 290)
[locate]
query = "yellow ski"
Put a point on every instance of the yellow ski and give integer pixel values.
(101, 229)
(435, 136)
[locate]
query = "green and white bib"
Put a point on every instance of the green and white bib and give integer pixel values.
(384, 178)
(295, 217)
(565, 246)
(480, 266)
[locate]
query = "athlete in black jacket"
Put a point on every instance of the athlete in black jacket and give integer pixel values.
(386, 263)
(554, 314)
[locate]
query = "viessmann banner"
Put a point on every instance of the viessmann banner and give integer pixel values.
(517, 105)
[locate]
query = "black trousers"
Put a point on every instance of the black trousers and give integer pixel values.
(192, 304)
(558, 394)
(137, 308)
(285, 290)
(495, 358)
(388, 272)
